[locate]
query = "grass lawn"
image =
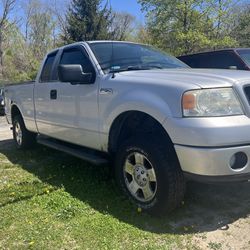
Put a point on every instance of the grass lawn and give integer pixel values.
(50, 200)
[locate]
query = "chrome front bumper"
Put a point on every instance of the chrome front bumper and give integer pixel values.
(214, 161)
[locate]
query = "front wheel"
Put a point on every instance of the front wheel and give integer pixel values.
(23, 138)
(150, 175)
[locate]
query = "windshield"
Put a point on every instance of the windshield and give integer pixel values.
(245, 55)
(120, 56)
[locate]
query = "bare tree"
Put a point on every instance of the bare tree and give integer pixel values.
(60, 15)
(122, 25)
(39, 26)
(28, 7)
(7, 7)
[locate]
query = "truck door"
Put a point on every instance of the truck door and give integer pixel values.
(73, 108)
(42, 100)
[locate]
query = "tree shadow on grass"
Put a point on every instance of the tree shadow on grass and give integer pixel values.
(205, 208)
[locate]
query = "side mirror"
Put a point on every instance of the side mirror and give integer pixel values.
(233, 67)
(74, 74)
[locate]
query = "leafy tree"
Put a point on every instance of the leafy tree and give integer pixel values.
(241, 27)
(19, 61)
(142, 35)
(185, 26)
(25, 47)
(6, 7)
(222, 16)
(87, 20)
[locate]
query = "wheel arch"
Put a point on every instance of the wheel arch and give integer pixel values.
(131, 123)
(15, 111)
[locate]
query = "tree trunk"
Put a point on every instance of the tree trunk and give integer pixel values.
(1, 55)
(185, 26)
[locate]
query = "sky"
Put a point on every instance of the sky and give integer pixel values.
(130, 6)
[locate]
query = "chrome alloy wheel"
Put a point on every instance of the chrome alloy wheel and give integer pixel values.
(18, 133)
(140, 177)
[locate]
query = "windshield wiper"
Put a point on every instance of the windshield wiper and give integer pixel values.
(135, 67)
(128, 68)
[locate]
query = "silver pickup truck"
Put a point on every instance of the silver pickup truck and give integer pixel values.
(156, 120)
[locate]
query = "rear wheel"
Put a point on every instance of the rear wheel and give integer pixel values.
(22, 137)
(150, 175)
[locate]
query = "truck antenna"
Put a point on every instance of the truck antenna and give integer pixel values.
(112, 59)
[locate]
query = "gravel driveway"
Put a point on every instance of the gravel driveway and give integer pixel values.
(5, 132)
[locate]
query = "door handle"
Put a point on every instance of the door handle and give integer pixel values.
(53, 94)
(105, 91)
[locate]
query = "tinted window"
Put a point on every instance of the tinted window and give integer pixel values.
(222, 60)
(193, 60)
(122, 56)
(75, 56)
(245, 55)
(219, 60)
(47, 68)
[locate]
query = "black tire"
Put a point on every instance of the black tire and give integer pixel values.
(28, 139)
(170, 183)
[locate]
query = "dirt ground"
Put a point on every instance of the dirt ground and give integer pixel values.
(218, 216)
(5, 132)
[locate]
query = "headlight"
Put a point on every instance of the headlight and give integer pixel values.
(2, 102)
(211, 102)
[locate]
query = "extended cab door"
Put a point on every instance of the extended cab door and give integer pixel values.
(66, 111)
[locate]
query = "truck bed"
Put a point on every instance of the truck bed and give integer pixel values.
(18, 84)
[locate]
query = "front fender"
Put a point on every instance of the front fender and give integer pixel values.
(142, 101)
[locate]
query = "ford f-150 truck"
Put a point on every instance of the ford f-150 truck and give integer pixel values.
(158, 121)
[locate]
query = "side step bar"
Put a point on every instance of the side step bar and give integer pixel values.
(77, 151)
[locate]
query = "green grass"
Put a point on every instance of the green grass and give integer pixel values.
(50, 200)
